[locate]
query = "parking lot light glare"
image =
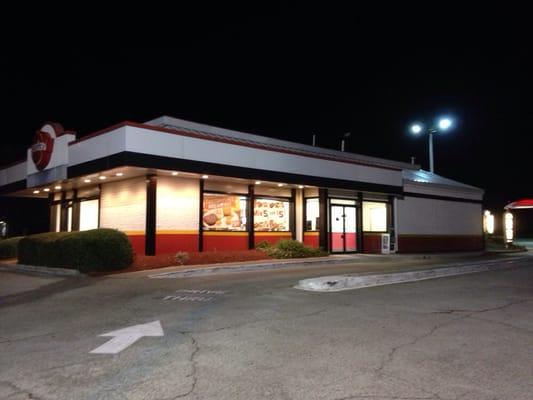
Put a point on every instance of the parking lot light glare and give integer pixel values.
(445, 123)
(416, 129)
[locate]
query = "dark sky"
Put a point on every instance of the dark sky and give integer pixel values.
(288, 75)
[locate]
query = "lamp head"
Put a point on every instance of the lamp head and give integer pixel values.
(445, 124)
(416, 129)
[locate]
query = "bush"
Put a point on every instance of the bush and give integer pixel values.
(291, 249)
(263, 245)
(8, 247)
(181, 257)
(93, 250)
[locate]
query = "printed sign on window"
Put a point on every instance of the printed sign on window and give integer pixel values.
(271, 215)
(224, 212)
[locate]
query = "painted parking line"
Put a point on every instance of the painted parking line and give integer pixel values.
(194, 295)
(201, 291)
(188, 298)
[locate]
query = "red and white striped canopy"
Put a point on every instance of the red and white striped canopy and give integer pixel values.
(524, 203)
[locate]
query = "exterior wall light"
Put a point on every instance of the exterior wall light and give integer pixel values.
(508, 223)
(488, 222)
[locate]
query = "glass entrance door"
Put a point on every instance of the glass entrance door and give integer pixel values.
(343, 229)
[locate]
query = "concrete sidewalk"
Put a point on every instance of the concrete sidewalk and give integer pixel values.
(362, 263)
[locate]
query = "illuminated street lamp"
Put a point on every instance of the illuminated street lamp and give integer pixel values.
(443, 125)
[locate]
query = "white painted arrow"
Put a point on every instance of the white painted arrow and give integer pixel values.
(123, 338)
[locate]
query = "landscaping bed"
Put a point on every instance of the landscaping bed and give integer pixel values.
(142, 262)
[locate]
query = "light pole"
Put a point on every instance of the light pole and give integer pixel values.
(443, 125)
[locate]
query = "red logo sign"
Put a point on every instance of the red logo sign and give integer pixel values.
(41, 150)
(43, 144)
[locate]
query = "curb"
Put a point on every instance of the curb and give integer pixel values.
(350, 282)
(222, 269)
(228, 268)
(40, 270)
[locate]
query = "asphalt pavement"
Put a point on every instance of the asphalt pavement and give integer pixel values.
(251, 335)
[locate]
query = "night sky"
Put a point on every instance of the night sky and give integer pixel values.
(288, 75)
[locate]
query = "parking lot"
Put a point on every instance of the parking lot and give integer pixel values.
(253, 336)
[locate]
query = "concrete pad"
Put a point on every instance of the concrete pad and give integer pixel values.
(350, 282)
(12, 283)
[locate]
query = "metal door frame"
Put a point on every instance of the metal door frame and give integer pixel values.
(343, 251)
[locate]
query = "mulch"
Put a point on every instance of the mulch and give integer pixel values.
(142, 262)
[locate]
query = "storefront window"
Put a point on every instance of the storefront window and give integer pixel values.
(312, 212)
(88, 215)
(224, 212)
(271, 215)
(69, 218)
(374, 216)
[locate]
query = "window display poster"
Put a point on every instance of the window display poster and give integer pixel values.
(271, 215)
(224, 212)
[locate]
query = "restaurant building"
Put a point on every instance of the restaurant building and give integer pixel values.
(174, 185)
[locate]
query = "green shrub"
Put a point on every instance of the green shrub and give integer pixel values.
(93, 250)
(292, 249)
(8, 247)
(263, 245)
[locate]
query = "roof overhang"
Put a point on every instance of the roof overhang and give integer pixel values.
(519, 204)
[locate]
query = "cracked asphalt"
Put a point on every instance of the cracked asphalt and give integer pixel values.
(464, 337)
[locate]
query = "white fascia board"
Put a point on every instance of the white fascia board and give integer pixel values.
(146, 141)
(442, 190)
(100, 146)
(13, 173)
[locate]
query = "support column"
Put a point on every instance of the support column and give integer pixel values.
(52, 212)
(75, 211)
(299, 212)
(63, 219)
(323, 219)
(200, 218)
(150, 230)
(359, 223)
(292, 214)
(391, 228)
(250, 216)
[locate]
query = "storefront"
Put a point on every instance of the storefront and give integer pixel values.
(175, 185)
